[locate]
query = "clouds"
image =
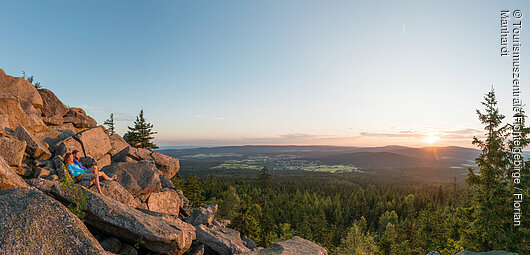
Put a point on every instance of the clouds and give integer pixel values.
(118, 116)
(459, 134)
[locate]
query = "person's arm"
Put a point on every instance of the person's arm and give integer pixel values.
(81, 165)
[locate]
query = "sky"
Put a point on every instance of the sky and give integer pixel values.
(212, 73)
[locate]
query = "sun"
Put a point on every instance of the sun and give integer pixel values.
(432, 138)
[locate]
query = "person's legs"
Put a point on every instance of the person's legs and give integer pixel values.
(96, 179)
(105, 176)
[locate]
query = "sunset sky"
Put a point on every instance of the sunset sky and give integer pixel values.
(213, 73)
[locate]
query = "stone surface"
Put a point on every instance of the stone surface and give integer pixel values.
(198, 250)
(8, 178)
(12, 150)
(55, 135)
(30, 99)
(166, 182)
(168, 166)
(51, 105)
(43, 172)
(33, 223)
(128, 224)
(43, 185)
(68, 145)
(53, 121)
(223, 240)
(24, 170)
(117, 192)
(36, 124)
(139, 178)
(87, 162)
(33, 146)
(118, 143)
(95, 142)
(128, 250)
(202, 215)
(132, 153)
(79, 119)
(167, 201)
(111, 244)
(4, 122)
(10, 106)
(293, 246)
(104, 161)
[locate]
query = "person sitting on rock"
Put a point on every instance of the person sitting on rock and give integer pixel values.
(77, 155)
(91, 175)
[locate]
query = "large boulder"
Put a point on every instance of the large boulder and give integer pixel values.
(8, 178)
(117, 192)
(168, 166)
(130, 153)
(104, 161)
(202, 215)
(33, 223)
(95, 142)
(53, 121)
(166, 201)
(10, 106)
(139, 178)
(34, 147)
(118, 143)
(224, 241)
(57, 134)
(68, 145)
(78, 117)
(128, 224)
(52, 106)
(293, 246)
(30, 99)
(36, 124)
(12, 150)
(45, 186)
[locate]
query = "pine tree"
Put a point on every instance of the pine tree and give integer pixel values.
(110, 124)
(193, 190)
(490, 227)
(266, 222)
(140, 135)
(230, 205)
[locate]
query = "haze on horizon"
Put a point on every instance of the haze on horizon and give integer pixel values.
(246, 72)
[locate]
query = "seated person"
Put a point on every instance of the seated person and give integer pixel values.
(91, 175)
(77, 155)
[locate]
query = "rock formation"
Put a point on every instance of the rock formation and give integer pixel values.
(141, 212)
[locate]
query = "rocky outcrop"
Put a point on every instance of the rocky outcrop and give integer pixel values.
(111, 244)
(33, 223)
(202, 215)
(8, 178)
(78, 117)
(68, 145)
(139, 178)
(45, 186)
(95, 142)
(126, 223)
(117, 192)
(34, 147)
(168, 166)
(118, 143)
(223, 240)
(293, 246)
(52, 106)
(10, 106)
(166, 201)
(30, 99)
(12, 150)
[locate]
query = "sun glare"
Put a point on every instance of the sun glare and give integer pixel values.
(432, 138)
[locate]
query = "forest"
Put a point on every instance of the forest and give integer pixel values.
(360, 213)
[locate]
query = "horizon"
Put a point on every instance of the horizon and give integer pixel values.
(304, 73)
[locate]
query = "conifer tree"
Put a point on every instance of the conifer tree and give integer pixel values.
(141, 134)
(110, 124)
(266, 222)
(490, 227)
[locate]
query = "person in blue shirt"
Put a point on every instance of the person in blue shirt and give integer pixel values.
(80, 174)
(77, 155)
